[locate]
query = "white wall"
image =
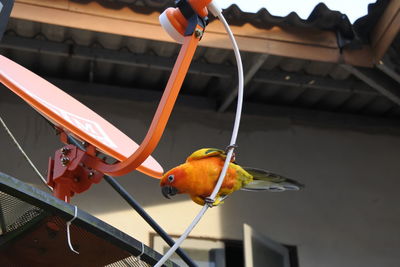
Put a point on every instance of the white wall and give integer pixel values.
(347, 216)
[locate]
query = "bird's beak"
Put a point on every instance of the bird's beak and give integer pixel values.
(168, 191)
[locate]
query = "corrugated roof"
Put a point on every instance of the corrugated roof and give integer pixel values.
(132, 65)
(104, 58)
(321, 17)
(364, 25)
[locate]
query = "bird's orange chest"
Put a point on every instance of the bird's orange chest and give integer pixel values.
(202, 175)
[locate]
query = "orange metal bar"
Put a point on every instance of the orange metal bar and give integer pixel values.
(200, 6)
(160, 118)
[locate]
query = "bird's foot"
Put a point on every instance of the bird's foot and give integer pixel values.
(231, 147)
(210, 202)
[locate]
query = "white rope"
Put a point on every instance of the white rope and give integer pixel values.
(138, 257)
(230, 150)
(68, 230)
(24, 154)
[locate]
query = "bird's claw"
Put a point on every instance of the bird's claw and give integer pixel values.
(209, 202)
(231, 147)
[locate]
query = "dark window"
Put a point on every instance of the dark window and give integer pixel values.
(234, 256)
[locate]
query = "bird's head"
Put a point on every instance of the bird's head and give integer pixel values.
(172, 182)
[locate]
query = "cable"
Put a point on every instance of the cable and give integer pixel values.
(24, 154)
(231, 146)
(69, 232)
(136, 206)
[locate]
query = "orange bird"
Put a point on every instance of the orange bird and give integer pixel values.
(198, 176)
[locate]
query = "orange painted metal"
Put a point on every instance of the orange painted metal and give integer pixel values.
(177, 19)
(161, 116)
(66, 113)
(67, 175)
(200, 6)
(71, 116)
(74, 171)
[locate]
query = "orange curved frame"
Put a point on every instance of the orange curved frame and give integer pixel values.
(161, 116)
(128, 160)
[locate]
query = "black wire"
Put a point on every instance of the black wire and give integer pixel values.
(51, 124)
(136, 206)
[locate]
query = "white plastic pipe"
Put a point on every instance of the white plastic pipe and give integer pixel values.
(216, 11)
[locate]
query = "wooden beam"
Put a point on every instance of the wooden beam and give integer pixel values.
(254, 66)
(388, 67)
(62, 4)
(385, 30)
(111, 56)
(301, 81)
(359, 57)
(386, 87)
(290, 42)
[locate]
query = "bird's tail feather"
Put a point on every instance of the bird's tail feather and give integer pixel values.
(268, 181)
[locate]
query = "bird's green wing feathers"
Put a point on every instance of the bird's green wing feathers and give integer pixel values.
(264, 180)
(206, 152)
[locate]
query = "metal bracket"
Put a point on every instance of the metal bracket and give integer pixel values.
(68, 175)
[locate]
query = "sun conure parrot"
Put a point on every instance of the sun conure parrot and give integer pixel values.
(199, 174)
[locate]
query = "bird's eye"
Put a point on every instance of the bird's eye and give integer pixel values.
(171, 178)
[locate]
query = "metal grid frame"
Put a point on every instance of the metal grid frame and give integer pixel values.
(47, 202)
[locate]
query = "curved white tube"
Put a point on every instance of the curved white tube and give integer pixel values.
(232, 143)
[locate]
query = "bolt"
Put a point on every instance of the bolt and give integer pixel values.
(198, 33)
(64, 161)
(311, 82)
(287, 77)
(65, 150)
(91, 174)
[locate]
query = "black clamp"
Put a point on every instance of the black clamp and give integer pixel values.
(193, 18)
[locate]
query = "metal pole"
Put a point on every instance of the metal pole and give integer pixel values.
(136, 206)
